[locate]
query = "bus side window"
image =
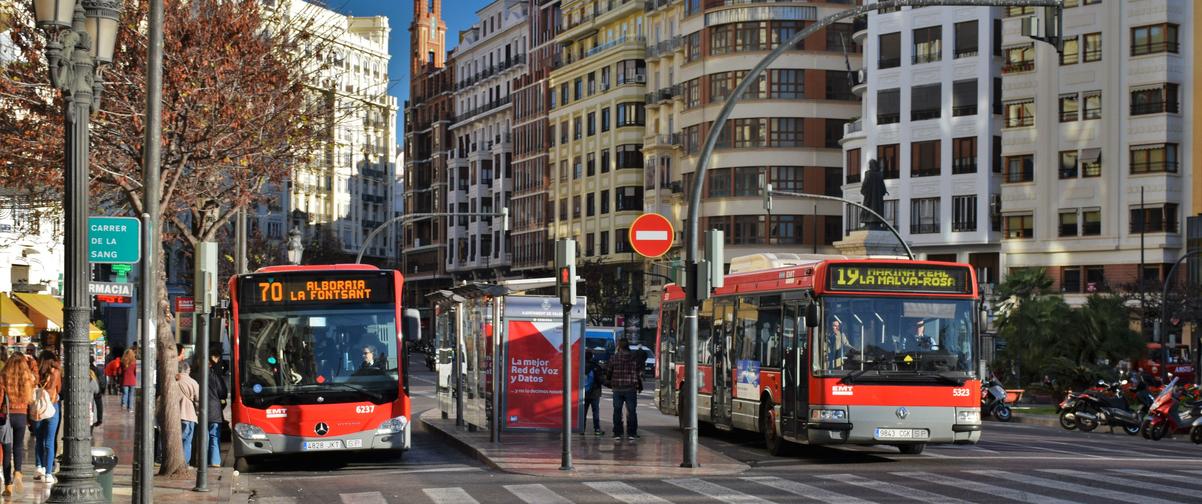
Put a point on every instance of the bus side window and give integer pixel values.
(767, 330)
(705, 317)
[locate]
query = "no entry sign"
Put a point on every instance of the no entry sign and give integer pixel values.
(651, 235)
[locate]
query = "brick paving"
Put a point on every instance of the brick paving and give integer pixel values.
(117, 432)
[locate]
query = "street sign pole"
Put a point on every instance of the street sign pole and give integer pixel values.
(205, 287)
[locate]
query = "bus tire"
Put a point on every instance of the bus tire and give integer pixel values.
(772, 440)
(912, 449)
(242, 465)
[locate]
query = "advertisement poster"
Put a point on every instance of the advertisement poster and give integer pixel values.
(533, 379)
(748, 383)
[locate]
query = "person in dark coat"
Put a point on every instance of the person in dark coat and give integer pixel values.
(593, 378)
(218, 391)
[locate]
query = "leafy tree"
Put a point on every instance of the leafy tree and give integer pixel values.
(239, 111)
(607, 297)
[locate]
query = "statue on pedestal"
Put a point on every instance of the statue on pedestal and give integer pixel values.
(872, 188)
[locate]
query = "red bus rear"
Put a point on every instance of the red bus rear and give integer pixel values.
(318, 361)
(832, 351)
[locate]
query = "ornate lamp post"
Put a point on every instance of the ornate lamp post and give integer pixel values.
(80, 39)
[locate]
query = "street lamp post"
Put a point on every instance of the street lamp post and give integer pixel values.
(80, 39)
(1164, 314)
(692, 227)
(503, 215)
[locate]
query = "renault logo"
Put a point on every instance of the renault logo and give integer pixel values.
(902, 412)
(321, 428)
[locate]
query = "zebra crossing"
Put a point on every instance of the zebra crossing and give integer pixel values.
(1043, 486)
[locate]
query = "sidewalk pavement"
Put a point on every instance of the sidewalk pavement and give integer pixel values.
(117, 432)
(539, 453)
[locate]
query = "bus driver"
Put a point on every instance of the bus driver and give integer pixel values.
(839, 346)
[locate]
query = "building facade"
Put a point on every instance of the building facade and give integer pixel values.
(596, 120)
(346, 191)
(530, 207)
(786, 129)
(428, 115)
(932, 120)
(1095, 145)
(490, 56)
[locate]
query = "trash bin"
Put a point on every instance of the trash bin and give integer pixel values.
(103, 461)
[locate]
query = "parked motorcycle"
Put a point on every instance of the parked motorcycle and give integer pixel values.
(993, 400)
(1163, 418)
(1071, 406)
(1108, 407)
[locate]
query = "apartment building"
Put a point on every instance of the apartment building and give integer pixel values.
(596, 125)
(787, 127)
(1095, 144)
(428, 115)
(490, 55)
(662, 152)
(1194, 221)
(530, 207)
(347, 191)
(932, 119)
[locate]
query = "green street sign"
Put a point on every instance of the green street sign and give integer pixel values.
(114, 240)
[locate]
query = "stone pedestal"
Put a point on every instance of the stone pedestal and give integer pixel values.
(870, 243)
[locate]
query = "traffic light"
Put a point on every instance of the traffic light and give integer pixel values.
(565, 271)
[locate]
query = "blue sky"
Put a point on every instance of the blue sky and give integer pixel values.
(458, 14)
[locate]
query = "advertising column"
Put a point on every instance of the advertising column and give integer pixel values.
(533, 385)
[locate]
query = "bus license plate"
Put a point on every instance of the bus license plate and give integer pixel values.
(335, 444)
(902, 434)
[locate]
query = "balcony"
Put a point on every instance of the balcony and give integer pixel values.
(665, 140)
(1018, 67)
(651, 5)
(851, 127)
(860, 83)
(859, 28)
(664, 48)
(1159, 107)
(488, 107)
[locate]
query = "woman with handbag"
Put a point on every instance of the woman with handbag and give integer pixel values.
(50, 383)
(17, 382)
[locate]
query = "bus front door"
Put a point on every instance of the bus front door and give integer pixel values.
(721, 406)
(795, 400)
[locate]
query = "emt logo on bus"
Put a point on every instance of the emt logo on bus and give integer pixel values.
(898, 278)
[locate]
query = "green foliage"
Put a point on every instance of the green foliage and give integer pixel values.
(1024, 283)
(1044, 336)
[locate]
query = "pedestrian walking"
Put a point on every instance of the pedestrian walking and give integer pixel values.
(112, 373)
(218, 391)
(50, 380)
(189, 395)
(129, 378)
(17, 382)
(98, 394)
(625, 378)
(592, 391)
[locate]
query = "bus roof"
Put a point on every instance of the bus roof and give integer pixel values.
(316, 267)
(811, 273)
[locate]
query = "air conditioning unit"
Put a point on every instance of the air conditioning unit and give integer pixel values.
(641, 79)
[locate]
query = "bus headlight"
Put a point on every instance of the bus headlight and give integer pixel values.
(393, 425)
(249, 432)
(968, 416)
(828, 415)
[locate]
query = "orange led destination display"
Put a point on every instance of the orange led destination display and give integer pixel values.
(315, 288)
(898, 278)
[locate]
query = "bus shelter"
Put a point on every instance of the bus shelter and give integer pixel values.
(525, 354)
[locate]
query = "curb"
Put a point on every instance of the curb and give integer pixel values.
(459, 444)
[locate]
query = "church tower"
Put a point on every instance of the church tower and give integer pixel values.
(427, 36)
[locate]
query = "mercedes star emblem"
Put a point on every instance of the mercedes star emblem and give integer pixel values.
(321, 428)
(902, 412)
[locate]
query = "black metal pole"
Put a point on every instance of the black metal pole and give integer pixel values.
(457, 367)
(77, 482)
(202, 346)
(151, 154)
(240, 261)
(565, 463)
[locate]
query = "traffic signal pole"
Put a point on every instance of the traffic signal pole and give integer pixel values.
(694, 264)
(565, 279)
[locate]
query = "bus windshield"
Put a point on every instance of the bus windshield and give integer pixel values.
(876, 338)
(318, 354)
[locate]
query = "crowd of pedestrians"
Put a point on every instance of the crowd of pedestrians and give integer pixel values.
(30, 387)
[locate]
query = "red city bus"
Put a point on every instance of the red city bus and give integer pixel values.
(832, 351)
(318, 361)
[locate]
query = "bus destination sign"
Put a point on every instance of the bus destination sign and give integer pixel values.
(898, 278)
(329, 287)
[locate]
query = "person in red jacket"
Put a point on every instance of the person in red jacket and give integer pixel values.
(129, 378)
(112, 371)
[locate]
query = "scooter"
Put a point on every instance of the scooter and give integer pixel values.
(1163, 418)
(993, 400)
(1111, 409)
(1073, 414)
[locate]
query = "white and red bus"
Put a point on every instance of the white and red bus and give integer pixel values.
(319, 361)
(832, 351)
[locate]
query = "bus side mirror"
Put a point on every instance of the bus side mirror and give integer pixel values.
(812, 315)
(413, 325)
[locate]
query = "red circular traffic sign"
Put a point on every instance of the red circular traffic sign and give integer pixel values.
(651, 235)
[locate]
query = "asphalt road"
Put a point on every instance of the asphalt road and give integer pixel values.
(1013, 463)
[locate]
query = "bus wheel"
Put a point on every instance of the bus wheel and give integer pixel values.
(912, 449)
(242, 465)
(772, 439)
